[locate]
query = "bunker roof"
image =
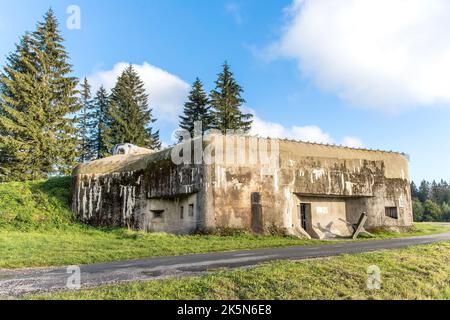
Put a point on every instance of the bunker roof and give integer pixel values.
(133, 162)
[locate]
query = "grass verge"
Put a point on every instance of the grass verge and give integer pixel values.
(421, 272)
(37, 229)
(84, 245)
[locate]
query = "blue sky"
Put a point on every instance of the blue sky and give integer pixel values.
(302, 78)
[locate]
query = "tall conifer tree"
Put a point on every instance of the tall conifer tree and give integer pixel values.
(37, 103)
(86, 124)
(196, 109)
(102, 124)
(227, 101)
(131, 117)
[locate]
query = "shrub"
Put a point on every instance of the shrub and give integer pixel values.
(417, 210)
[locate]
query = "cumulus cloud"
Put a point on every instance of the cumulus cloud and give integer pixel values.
(167, 92)
(310, 133)
(386, 54)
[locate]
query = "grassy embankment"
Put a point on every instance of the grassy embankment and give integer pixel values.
(38, 229)
(421, 272)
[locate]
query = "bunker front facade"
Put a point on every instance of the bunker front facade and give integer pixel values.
(314, 190)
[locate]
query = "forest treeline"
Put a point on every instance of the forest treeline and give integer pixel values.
(431, 201)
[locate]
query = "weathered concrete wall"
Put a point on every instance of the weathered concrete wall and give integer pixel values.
(252, 191)
(368, 181)
(180, 215)
(128, 190)
(328, 217)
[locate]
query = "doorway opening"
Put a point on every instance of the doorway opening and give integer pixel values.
(257, 219)
(304, 209)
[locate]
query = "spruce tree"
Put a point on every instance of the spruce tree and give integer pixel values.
(101, 125)
(414, 190)
(131, 117)
(226, 101)
(424, 191)
(196, 109)
(37, 103)
(13, 115)
(86, 124)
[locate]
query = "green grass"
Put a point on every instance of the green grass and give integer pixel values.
(78, 245)
(83, 245)
(42, 204)
(38, 229)
(421, 272)
(420, 229)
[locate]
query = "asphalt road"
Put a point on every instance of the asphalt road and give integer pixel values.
(14, 283)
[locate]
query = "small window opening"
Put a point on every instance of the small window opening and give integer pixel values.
(392, 212)
(157, 214)
(191, 210)
(182, 212)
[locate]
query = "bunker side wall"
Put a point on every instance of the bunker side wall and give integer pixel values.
(368, 181)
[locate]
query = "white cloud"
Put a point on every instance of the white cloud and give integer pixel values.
(308, 133)
(234, 10)
(352, 142)
(385, 54)
(167, 92)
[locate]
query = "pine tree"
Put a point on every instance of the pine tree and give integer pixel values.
(424, 191)
(86, 124)
(226, 101)
(101, 125)
(414, 190)
(130, 114)
(196, 109)
(37, 99)
(13, 115)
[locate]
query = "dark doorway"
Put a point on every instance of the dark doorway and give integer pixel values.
(304, 209)
(257, 219)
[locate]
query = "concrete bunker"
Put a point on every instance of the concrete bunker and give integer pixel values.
(310, 190)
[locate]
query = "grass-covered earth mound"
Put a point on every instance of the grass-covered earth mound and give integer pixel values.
(36, 204)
